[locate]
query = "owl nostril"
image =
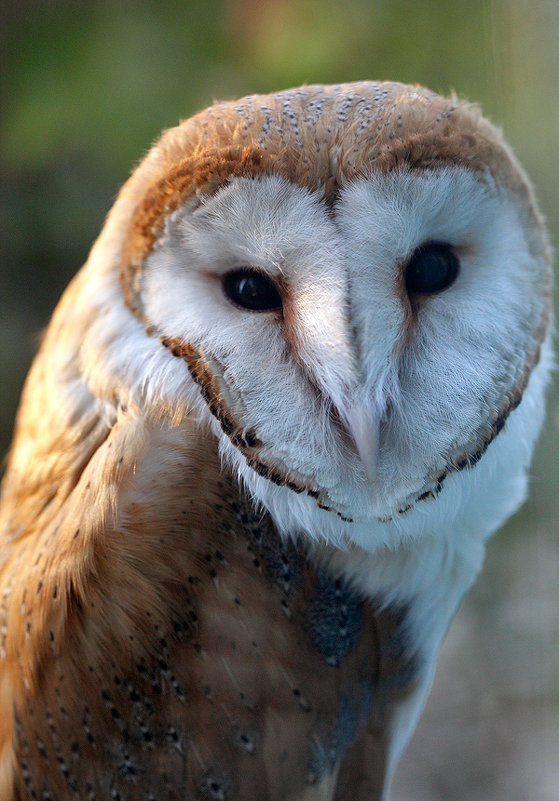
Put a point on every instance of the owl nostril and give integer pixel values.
(335, 415)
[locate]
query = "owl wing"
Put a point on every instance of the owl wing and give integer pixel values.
(162, 641)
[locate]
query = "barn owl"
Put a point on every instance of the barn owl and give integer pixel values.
(269, 429)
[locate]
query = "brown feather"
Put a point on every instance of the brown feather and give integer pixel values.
(176, 644)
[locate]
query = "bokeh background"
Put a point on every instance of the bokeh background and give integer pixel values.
(87, 86)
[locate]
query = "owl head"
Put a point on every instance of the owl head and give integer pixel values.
(348, 287)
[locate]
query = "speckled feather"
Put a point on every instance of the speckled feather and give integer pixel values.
(201, 657)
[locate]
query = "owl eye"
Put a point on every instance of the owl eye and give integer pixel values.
(252, 290)
(433, 267)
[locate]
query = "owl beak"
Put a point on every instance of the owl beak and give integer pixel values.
(362, 421)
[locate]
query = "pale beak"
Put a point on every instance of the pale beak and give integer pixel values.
(362, 421)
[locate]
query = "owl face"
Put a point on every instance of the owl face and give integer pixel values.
(358, 323)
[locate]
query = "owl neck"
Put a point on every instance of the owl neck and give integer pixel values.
(74, 473)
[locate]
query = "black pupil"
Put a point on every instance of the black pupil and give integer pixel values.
(251, 290)
(432, 268)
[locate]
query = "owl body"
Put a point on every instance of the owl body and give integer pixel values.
(270, 427)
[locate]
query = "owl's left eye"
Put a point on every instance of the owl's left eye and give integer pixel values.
(252, 290)
(434, 266)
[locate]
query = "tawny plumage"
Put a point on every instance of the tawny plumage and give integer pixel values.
(270, 426)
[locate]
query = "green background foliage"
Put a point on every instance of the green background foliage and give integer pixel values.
(87, 86)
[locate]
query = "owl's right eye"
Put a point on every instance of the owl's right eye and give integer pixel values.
(432, 268)
(252, 290)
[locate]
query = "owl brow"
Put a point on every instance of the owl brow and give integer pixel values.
(193, 177)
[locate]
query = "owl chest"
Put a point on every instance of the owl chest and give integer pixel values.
(262, 675)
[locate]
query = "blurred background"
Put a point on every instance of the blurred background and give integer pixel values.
(87, 86)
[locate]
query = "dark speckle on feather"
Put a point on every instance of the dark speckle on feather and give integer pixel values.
(216, 787)
(335, 618)
(282, 558)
